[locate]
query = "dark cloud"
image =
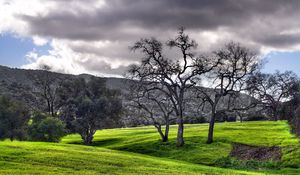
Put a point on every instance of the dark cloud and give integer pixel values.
(281, 40)
(116, 19)
(259, 22)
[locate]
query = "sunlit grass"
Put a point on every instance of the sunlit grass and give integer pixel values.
(145, 140)
(139, 151)
(44, 158)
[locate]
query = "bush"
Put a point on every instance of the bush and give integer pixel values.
(194, 120)
(221, 116)
(255, 117)
(295, 121)
(46, 128)
(231, 119)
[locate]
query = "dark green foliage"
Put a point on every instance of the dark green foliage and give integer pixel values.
(296, 121)
(221, 116)
(46, 128)
(255, 117)
(195, 119)
(14, 118)
(231, 119)
(291, 111)
(88, 106)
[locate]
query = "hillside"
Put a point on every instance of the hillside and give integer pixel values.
(22, 76)
(19, 84)
(139, 151)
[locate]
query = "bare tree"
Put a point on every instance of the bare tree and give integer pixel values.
(228, 80)
(154, 107)
(46, 85)
(272, 89)
(173, 77)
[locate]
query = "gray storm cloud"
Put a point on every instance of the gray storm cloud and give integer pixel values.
(271, 24)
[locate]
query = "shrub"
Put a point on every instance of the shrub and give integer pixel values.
(46, 128)
(255, 117)
(231, 119)
(296, 121)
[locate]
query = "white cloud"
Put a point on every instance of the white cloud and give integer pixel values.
(11, 9)
(32, 56)
(39, 41)
(60, 59)
(63, 59)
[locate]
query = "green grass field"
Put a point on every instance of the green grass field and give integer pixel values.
(139, 151)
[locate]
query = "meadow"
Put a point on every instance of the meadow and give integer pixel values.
(139, 151)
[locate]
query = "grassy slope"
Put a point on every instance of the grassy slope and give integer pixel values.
(156, 158)
(145, 140)
(45, 158)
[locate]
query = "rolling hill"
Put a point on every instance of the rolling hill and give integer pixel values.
(139, 151)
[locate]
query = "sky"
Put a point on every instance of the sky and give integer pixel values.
(93, 36)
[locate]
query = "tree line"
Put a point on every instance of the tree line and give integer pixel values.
(74, 105)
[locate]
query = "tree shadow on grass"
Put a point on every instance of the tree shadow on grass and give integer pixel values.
(107, 142)
(195, 150)
(100, 143)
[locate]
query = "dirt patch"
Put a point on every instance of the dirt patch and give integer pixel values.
(246, 152)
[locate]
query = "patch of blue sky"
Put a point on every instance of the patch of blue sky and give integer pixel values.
(282, 61)
(13, 49)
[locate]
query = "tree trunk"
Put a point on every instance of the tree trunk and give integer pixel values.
(180, 141)
(88, 140)
(52, 109)
(49, 107)
(211, 126)
(275, 115)
(297, 126)
(162, 136)
(87, 137)
(166, 138)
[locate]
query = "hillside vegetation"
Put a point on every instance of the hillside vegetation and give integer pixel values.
(19, 85)
(139, 151)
